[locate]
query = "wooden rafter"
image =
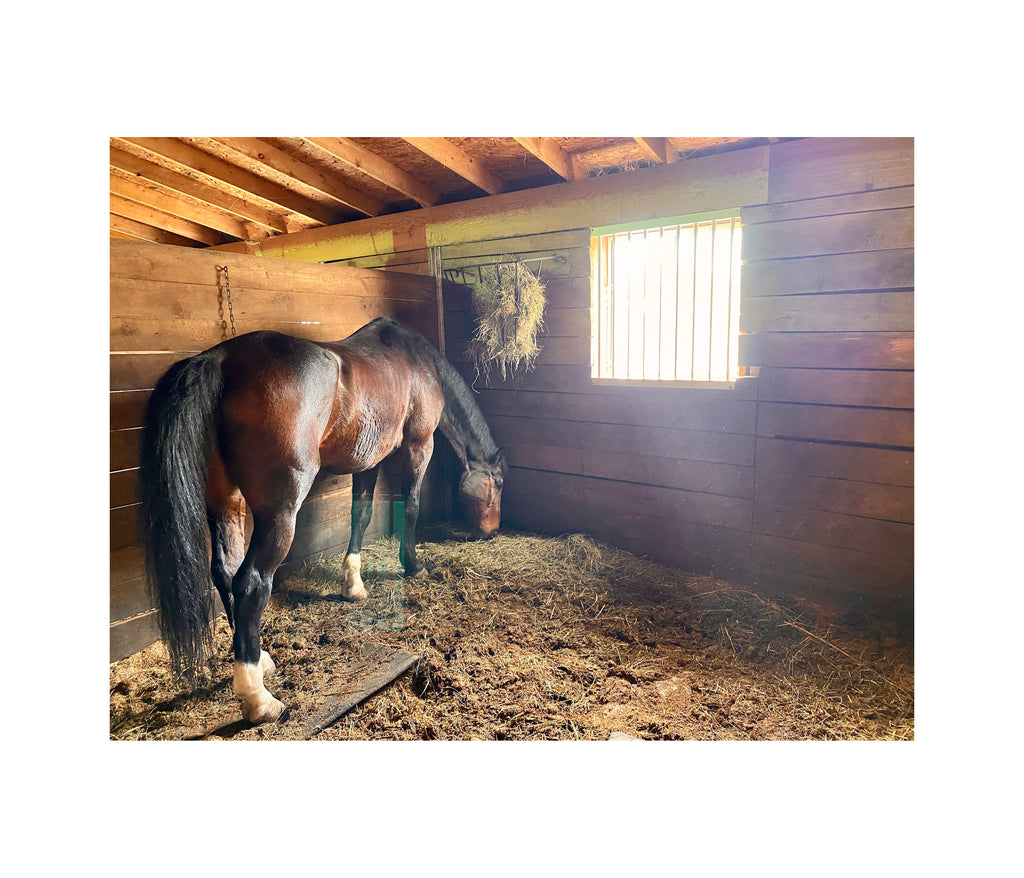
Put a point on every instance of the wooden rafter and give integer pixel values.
(153, 196)
(460, 162)
(657, 148)
(129, 228)
(220, 174)
(350, 152)
(160, 220)
(282, 163)
(549, 152)
(245, 209)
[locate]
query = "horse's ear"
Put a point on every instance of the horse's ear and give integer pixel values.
(498, 460)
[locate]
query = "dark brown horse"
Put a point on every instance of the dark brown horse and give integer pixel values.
(255, 419)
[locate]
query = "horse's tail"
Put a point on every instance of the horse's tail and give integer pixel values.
(177, 437)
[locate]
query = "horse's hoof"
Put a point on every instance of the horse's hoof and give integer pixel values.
(422, 573)
(267, 711)
(355, 593)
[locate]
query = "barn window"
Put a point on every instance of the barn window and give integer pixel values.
(666, 300)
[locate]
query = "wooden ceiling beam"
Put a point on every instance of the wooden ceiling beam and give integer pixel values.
(549, 152)
(371, 164)
(279, 161)
(159, 219)
(456, 160)
(152, 196)
(658, 149)
(245, 209)
(220, 173)
(142, 232)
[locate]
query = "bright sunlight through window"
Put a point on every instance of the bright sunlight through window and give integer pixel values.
(666, 300)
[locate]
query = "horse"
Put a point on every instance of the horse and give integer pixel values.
(251, 422)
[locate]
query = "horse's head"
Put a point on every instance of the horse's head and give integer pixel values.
(480, 492)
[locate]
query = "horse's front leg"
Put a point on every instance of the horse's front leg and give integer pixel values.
(412, 478)
(362, 509)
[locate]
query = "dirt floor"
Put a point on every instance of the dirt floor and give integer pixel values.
(526, 638)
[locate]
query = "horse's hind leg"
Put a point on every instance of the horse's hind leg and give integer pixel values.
(362, 509)
(225, 513)
(273, 530)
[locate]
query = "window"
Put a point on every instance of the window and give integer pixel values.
(666, 300)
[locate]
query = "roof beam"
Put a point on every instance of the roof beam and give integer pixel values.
(279, 161)
(152, 196)
(448, 154)
(157, 218)
(246, 210)
(123, 226)
(658, 149)
(219, 173)
(549, 152)
(371, 164)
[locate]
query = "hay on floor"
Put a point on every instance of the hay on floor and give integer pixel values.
(529, 637)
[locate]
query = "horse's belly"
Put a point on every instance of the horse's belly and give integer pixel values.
(360, 447)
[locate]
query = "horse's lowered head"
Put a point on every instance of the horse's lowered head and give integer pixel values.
(480, 492)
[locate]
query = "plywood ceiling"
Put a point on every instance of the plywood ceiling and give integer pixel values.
(206, 191)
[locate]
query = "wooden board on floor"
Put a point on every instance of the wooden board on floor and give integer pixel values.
(373, 667)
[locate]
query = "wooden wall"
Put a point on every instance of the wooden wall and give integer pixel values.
(798, 479)
(164, 305)
(828, 317)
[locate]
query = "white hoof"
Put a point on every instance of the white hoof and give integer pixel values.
(352, 586)
(258, 705)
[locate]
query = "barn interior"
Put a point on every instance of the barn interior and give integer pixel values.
(785, 469)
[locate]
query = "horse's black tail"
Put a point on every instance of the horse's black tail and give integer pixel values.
(178, 432)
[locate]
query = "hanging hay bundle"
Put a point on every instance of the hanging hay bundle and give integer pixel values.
(509, 302)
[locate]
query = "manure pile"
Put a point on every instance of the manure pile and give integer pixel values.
(525, 637)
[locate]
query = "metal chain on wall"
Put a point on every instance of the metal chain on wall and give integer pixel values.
(224, 293)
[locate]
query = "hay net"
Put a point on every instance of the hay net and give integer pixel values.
(509, 300)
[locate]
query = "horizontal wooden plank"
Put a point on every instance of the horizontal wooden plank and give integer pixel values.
(830, 312)
(716, 411)
(690, 475)
(127, 408)
(886, 539)
(857, 202)
(129, 598)
(890, 427)
(874, 270)
(128, 637)
(866, 499)
(123, 491)
(130, 297)
(857, 463)
(630, 499)
(156, 262)
(871, 573)
(817, 167)
(674, 443)
(828, 350)
(521, 247)
(124, 449)
(688, 545)
(817, 236)
(854, 387)
(150, 334)
(140, 371)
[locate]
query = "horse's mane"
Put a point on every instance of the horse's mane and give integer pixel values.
(462, 422)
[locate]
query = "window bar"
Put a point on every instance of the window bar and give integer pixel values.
(711, 301)
(675, 346)
(728, 334)
(693, 299)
